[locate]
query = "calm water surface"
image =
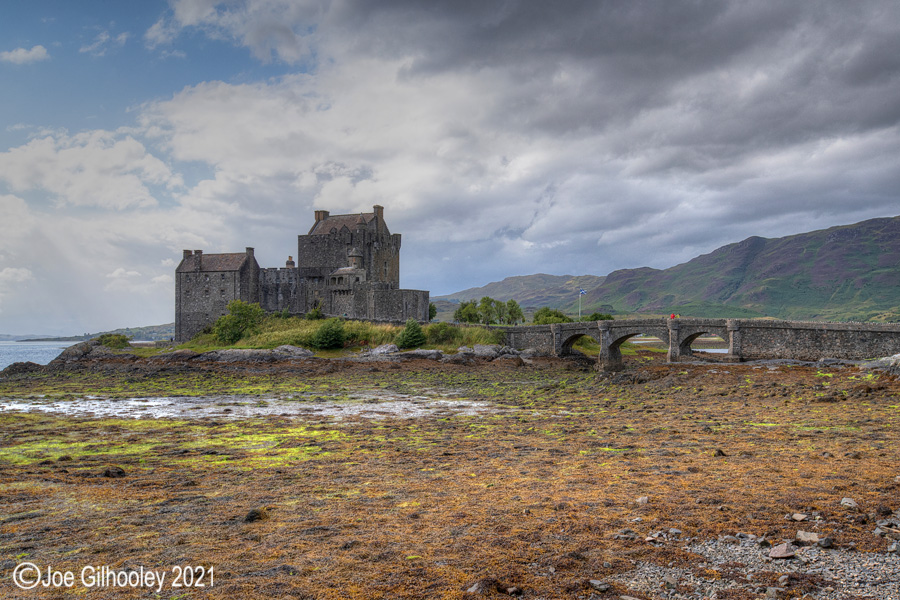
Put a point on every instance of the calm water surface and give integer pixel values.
(38, 352)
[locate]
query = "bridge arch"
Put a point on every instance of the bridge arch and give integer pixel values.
(615, 333)
(566, 343)
(685, 333)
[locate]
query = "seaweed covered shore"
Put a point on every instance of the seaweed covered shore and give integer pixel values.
(663, 481)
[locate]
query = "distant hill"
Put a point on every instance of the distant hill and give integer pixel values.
(531, 290)
(846, 273)
(149, 333)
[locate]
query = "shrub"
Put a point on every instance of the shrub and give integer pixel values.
(440, 333)
(116, 341)
(432, 311)
(330, 335)
(411, 336)
(598, 316)
(243, 319)
(547, 316)
(315, 314)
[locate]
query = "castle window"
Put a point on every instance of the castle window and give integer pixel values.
(357, 280)
(222, 293)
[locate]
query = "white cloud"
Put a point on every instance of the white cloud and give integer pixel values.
(14, 275)
(267, 27)
(93, 168)
(102, 42)
(122, 273)
(21, 56)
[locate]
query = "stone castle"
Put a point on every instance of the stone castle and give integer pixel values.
(347, 266)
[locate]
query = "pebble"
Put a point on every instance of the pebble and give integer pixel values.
(806, 537)
(781, 551)
(849, 503)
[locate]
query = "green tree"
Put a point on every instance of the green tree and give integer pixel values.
(513, 312)
(467, 312)
(432, 311)
(243, 319)
(598, 316)
(546, 316)
(329, 335)
(412, 335)
(487, 311)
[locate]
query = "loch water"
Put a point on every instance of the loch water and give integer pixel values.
(37, 352)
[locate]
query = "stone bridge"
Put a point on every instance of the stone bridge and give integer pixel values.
(747, 339)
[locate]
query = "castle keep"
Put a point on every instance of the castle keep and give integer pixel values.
(347, 265)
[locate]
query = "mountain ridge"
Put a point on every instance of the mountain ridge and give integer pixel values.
(847, 272)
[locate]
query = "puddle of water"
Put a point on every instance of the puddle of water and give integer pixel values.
(377, 404)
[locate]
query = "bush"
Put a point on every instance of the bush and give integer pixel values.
(440, 333)
(598, 316)
(432, 311)
(243, 319)
(411, 336)
(330, 335)
(116, 341)
(315, 314)
(547, 316)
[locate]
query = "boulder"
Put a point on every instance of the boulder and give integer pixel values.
(287, 351)
(75, 352)
(423, 354)
(385, 349)
(460, 358)
(21, 368)
(487, 350)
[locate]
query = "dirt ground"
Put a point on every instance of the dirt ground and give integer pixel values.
(532, 497)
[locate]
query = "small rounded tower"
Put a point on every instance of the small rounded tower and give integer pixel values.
(356, 258)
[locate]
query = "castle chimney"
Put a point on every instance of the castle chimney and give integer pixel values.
(379, 219)
(250, 252)
(187, 254)
(289, 263)
(199, 262)
(321, 215)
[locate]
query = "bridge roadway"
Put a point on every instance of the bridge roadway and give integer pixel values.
(747, 339)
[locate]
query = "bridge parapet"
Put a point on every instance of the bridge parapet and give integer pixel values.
(748, 339)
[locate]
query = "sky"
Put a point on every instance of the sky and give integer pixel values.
(503, 137)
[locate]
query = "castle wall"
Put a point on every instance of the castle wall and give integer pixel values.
(320, 254)
(282, 288)
(203, 297)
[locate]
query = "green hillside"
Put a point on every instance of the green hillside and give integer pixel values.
(531, 290)
(846, 273)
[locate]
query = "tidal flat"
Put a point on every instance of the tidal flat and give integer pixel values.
(546, 480)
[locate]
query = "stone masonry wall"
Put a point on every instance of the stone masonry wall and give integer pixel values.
(812, 341)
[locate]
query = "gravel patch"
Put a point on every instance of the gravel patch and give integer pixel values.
(814, 573)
